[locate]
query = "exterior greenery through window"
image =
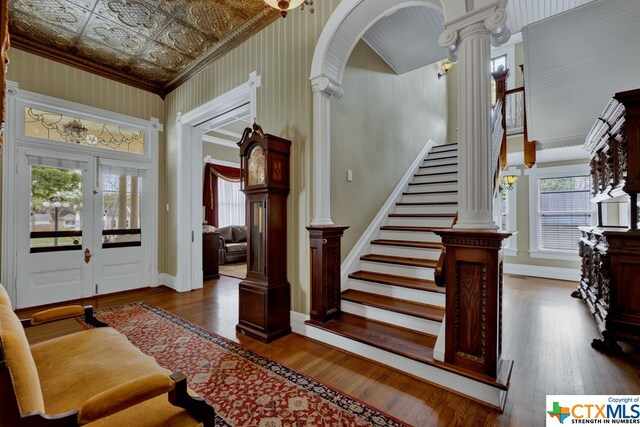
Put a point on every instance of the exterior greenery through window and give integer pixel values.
(564, 205)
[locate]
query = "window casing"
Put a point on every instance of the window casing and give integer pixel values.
(559, 202)
(509, 219)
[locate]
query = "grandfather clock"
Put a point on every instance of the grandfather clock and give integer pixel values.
(265, 295)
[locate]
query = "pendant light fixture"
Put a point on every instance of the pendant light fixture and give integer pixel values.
(285, 5)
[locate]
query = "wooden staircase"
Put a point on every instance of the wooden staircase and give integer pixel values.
(391, 309)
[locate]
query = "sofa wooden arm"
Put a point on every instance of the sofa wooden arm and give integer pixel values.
(60, 313)
(124, 396)
(194, 405)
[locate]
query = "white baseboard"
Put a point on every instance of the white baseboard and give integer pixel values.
(297, 323)
(167, 280)
(571, 274)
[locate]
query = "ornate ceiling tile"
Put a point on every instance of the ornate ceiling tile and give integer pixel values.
(87, 4)
(186, 40)
(137, 16)
(209, 17)
(114, 36)
(151, 44)
(56, 13)
(117, 60)
(166, 58)
(169, 7)
(37, 30)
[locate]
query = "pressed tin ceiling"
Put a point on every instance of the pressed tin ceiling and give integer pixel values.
(151, 44)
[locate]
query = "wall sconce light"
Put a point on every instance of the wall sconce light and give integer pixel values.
(446, 66)
(510, 180)
(285, 5)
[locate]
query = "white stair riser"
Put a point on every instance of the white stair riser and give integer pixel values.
(474, 389)
(427, 167)
(442, 147)
(423, 253)
(425, 209)
(410, 235)
(421, 221)
(398, 270)
(435, 178)
(437, 162)
(440, 154)
(373, 313)
(429, 198)
(418, 188)
(399, 292)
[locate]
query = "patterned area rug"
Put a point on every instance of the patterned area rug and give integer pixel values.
(238, 270)
(245, 389)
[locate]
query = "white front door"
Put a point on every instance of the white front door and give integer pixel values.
(55, 229)
(82, 228)
(122, 252)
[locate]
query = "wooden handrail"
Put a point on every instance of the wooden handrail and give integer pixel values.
(514, 90)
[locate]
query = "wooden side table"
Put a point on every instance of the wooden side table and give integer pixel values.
(210, 255)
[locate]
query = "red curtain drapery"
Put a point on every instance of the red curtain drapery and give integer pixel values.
(210, 189)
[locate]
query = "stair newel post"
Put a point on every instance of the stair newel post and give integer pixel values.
(473, 336)
(325, 241)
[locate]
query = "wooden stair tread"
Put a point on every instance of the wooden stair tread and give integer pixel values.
(414, 345)
(433, 173)
(450, 181)
(404, 342)
(422, 215)
(442, 158)
(410, 308)
(424, 193)
(393, 280)
(412, 228)
(407, 243)
(388, 259)
(425, 203)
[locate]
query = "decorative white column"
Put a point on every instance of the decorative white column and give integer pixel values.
(323, 89)
(469, 40)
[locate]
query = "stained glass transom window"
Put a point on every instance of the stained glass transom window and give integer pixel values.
(58, 127)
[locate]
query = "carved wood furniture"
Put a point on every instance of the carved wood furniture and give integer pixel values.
(610, 280)
(94, 377)
(265, 294)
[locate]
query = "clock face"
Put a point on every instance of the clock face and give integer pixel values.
(256, 166)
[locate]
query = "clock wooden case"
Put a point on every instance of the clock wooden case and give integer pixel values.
(265, 294)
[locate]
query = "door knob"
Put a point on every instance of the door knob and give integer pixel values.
(87, 256)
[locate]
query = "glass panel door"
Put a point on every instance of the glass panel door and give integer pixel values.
(55, 243)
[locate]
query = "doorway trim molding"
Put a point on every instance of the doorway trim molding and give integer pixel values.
(17, 97)
(189, 128)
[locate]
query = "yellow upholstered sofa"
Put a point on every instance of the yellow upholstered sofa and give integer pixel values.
(94, 377)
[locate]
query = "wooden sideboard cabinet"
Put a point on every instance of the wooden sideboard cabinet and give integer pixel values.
(610, 252)
(210, 261)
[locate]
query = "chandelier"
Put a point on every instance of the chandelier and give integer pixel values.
(285, 5)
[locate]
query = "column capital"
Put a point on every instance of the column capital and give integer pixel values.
(325, 84)
(492, 20)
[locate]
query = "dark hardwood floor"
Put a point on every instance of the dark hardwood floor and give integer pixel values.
(546, 332)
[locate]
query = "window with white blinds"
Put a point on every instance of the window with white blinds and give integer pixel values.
(508, 216)
(564, 206)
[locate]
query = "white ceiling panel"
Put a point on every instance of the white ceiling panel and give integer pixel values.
(408, 39)
(524, 12)
(575, 62)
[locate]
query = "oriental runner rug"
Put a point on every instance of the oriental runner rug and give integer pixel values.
(245, 388)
